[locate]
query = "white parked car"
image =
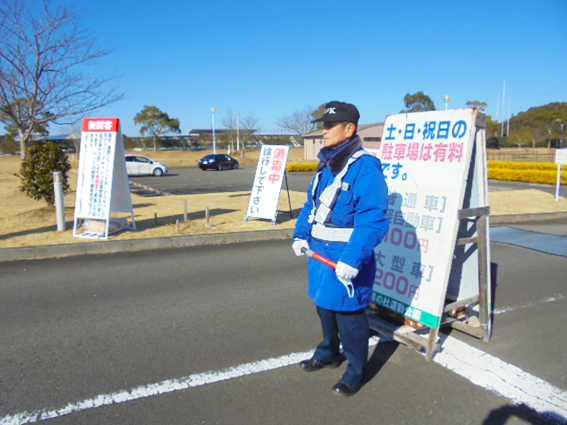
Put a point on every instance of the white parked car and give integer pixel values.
(138, 165)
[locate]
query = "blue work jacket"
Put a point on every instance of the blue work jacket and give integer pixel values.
(362, 205)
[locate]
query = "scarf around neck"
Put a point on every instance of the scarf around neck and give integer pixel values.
(335, 159)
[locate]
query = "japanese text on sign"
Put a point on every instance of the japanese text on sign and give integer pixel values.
(424, 156)
(97, 174)
(268, 182)
(100, 124)
(433, 142)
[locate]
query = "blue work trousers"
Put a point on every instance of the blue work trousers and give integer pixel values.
(350, 328)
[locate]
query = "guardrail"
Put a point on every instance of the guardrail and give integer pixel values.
(521, 156)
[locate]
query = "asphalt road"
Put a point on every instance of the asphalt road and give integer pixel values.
(76, 328)
(191, 180)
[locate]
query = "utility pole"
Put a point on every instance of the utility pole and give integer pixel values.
(214, 138)
(237, 131)
(508, 120)
(497, 110)
(503, 107)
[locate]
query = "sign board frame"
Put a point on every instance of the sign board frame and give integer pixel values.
(102, 184)
(435, 167)
(267, 185)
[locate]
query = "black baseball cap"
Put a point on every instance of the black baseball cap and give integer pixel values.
(339, 111)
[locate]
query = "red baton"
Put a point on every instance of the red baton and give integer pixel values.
(318, 257)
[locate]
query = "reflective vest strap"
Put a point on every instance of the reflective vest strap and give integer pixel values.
(322, 213)
(331, 234)
(313, 190)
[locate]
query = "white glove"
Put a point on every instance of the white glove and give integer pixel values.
(298, 246)
(346, 272)
(347, 283)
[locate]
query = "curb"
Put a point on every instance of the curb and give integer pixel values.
(524, 218)
(132, 245)
(149, 188)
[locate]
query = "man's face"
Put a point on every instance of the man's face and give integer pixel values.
(336, 133)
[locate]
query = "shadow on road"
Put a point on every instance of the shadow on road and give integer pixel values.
(504, 414)
(382, 353)
(171, 219)
(284, 216)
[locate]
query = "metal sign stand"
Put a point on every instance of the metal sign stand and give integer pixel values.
(454, 313)
(288, 199)
(102, 186)
(465, 308)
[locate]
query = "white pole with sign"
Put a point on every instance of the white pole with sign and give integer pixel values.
(267, 186)
(560, 160)
(102, 185)
(435, 167)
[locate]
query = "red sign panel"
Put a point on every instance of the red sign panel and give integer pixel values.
(101, 124)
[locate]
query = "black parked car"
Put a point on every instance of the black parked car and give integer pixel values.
(219, 161)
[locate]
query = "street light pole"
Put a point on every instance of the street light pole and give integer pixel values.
(237, 131)
(214, 137)
(447, 99)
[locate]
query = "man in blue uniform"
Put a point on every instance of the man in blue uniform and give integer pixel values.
(344, 219)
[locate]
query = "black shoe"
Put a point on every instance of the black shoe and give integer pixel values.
(346, 390)
(313, 364)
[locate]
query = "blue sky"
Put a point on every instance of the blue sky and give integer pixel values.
(271, 58)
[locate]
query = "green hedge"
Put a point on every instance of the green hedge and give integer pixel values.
(301, 166)
(533, 172)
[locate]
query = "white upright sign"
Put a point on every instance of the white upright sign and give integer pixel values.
(268, 181)
(560, 160)
(102, 185)
(561, 156)
(426, 158)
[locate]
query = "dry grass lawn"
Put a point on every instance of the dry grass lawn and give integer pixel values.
(25, 222)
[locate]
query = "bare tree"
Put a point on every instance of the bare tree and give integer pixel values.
(523, 136)
(229, 123)
(43, 51)
(74, 130)
(299, 122)
(249, 125)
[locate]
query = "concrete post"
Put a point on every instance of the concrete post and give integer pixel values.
(59, 200)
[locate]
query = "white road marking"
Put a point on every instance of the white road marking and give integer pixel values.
(502, 378)
(520, 307)
(478, 367)
(164, 387)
